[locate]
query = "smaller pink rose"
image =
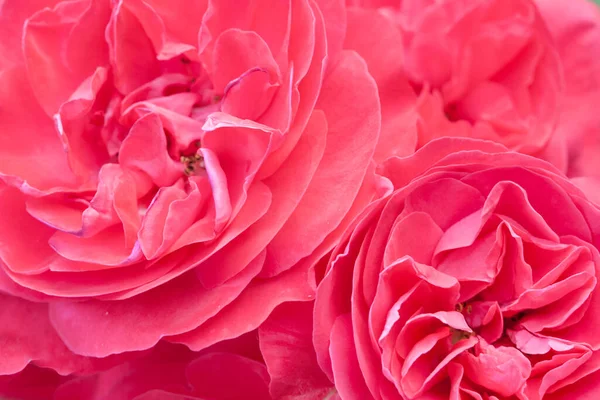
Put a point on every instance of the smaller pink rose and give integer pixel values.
(477, 277)
(485, 69)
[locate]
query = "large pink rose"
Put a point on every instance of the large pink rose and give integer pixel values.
(477, 278)
(161, 162)
(485, 69)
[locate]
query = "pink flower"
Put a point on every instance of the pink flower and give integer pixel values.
(485, 69)
(476, 278)
(161, 167)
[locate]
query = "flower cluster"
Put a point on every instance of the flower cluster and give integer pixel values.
(299, 199)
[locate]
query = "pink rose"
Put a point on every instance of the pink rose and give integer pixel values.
(161, 164)
(483, 69)
(476, 278)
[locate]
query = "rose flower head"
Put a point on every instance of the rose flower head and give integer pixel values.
(484, 69)
(477, 278)
(160, 167)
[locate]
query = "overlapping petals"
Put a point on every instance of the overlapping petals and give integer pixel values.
(575, 28)
(480, 69)
(159, 178)
(476, 278)
(164, 372)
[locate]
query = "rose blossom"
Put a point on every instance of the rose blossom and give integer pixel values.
(161, 164)
(475, 279)
(484, 69)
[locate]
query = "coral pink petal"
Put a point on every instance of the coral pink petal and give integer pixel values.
(13, 14)
(44, 37)
(576, 31)
(132, 55)
(115, 202)
(106, 249)
(429, 356)
(210, 376)
(86, 48)
(561, 216)
(301, 48)
(81, 138)
(416, 236)
(477, 262)
(9, 287)
(309, 88)
(154, 27)
(100, 328)
(218, 180)
(172, 212)
(287, 186)
(459, 201)
(389, 314)
(335, 23)
(251, 307)
(138, 278)
(28, 143)
(286, 345)
(271, 24)
(401, 170)
(344, 164)
(503, 370)
(23, 239)
(145, 149)
(171, 13)
(347, 374)
(379, 42)
(27, 336)
(333, 291)
(249, 96)
(237, 148)
(590, 186)
(161, 368)
(237, 52)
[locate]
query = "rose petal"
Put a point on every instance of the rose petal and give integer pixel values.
(281, 108)
(286, 345)
(172, 212)
(210, 377)
(47, 34)
(23, 240)
(379, 42)
(347, 375)
(503, 370)
(238, 51)
(29, 143)
(271, 24)
(251, 307)
(145, 149)
(27, 336)
(81, 137)
(132, 54)
(13, 14)
(342, 168)
(287, 186)
(100, 328)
